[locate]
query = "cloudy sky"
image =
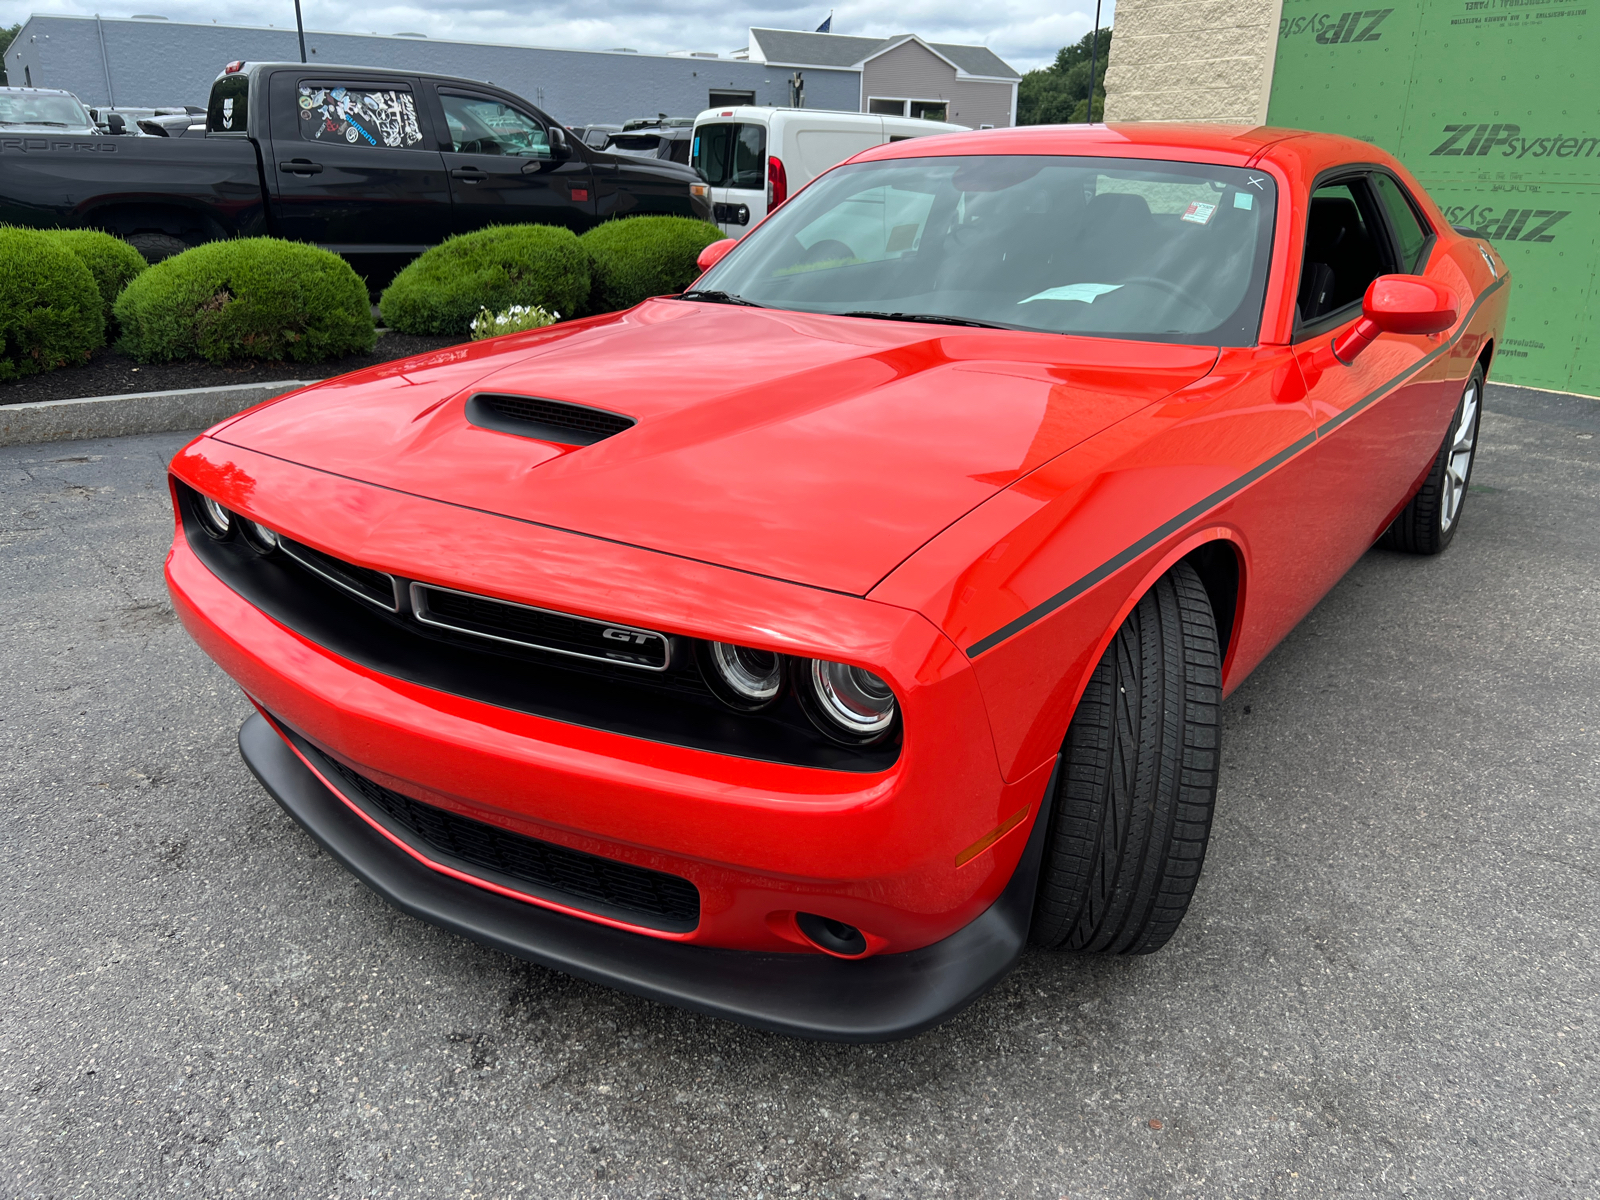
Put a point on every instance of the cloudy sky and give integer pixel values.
(1026, 33)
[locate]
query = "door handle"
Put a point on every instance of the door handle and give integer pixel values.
(300, 166)
(469, 174)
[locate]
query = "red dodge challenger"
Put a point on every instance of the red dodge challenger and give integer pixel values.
(798, 648)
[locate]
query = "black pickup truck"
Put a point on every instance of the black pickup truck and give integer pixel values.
(371, 164)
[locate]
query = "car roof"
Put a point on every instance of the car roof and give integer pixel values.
(1228, 144)
(33, 91)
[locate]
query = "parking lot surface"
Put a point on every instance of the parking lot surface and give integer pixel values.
(1386, 986)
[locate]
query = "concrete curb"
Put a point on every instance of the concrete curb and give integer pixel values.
(137, 412)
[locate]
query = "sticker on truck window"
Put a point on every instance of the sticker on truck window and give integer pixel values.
(360, 116)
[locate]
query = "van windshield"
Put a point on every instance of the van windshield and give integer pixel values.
(1151, 250)
(731, 154)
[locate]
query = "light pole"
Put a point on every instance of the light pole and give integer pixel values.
(300, 28)
(1094, 49)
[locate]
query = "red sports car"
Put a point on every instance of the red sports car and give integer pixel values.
(797, 648)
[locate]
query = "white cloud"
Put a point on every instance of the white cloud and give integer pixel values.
(1026, 33)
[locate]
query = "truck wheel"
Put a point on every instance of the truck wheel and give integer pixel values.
(156, 246)
(1138, 781)
(1428, 524)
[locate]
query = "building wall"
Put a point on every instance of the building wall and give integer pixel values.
(911, 72)
(153, 63)
(1210, 60)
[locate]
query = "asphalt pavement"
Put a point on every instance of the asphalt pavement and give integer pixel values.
(1386, 985)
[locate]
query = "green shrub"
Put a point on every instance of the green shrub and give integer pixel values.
(251, 298)
(638, 257)
(50, 311)
(519, 318)
(443, 290)
(113, 263)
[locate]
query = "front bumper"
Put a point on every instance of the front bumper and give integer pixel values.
(875, 999)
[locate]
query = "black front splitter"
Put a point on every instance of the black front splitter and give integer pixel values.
(874, 999)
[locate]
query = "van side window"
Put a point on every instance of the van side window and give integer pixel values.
(362, 116)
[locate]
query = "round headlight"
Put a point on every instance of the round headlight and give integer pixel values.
(217, 520)
(745, 678)
(848, 702)
(259, 536)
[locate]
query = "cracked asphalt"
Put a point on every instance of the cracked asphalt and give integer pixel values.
(1386, 986)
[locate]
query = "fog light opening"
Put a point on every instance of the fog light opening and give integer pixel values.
(830, 936)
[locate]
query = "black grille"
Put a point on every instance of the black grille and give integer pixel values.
(363, 581)
(540, 628)
(547, 420)
(600, 885)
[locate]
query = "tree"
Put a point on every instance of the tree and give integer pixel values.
(1059, 94)
(7, 36)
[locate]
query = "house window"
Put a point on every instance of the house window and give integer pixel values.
(887, 108)
(929, 110)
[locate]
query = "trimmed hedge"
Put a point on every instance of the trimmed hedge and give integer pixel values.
(113, 263)
(639, 257)
(250, 298)
(495, 268)
(51, 314)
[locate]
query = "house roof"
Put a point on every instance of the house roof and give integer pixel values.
(792, 47)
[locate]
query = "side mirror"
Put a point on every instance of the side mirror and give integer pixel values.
(560, 150)
(1403, 304)
(116, 124)
(714, 253)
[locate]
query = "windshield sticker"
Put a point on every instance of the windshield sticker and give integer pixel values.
(1200, 214)
(1243, 200)
(1084, 292)
(378, 118)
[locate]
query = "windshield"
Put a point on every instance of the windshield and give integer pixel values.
(1155, 251)
(42, 110)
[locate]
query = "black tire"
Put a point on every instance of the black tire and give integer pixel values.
(1428, 524)
(156, 246)
(1138, 781)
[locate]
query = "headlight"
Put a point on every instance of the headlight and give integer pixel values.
(744, 678)
(847, 703)
(217, 520)
(258, 535)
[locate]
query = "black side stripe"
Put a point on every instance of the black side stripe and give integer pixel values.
(1199, 509)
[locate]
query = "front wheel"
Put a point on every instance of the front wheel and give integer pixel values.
(1429, 522)
(1138, 781)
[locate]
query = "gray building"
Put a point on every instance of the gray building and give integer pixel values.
(141, 62)
(899, 76)
(144, 62)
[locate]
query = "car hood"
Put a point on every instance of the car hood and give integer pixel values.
(817, 449)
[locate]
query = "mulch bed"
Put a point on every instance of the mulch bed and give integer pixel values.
(109, 373)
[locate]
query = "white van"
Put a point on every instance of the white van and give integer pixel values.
(755, 158)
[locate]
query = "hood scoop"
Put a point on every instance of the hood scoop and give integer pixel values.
(546, 420)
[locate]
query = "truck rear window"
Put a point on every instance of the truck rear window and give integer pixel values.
(228, 111)
(361, 116)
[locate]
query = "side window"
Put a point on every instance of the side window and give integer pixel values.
(1409, 230)
(1344, 252)
(479, 126)
(362, 116)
